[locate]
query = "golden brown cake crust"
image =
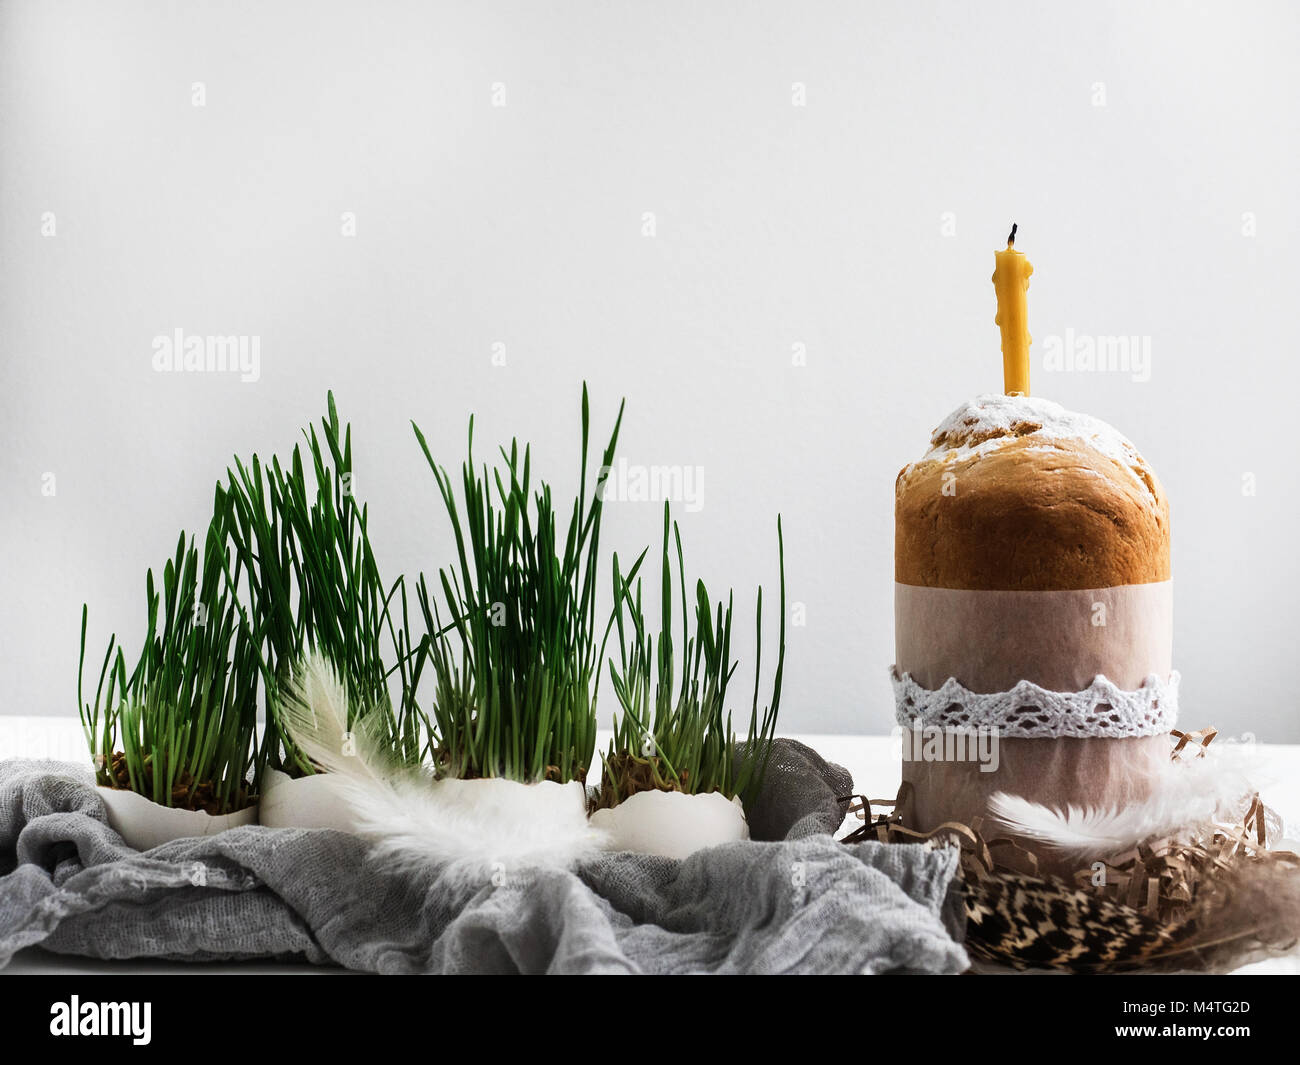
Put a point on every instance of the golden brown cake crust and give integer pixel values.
(1030, 514)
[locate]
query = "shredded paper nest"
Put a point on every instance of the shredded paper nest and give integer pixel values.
(1211, 897)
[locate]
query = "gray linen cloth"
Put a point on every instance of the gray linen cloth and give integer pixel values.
(805, 904)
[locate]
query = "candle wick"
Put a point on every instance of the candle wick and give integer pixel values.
(1012, 239)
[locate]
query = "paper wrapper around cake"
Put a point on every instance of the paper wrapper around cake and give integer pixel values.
(1032, 597)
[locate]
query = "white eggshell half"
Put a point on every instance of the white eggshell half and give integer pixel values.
(671, 824)
(144, 824)
(315, 801)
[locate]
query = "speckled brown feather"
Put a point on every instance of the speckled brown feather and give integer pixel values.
(1031, 923)
(1212, 900)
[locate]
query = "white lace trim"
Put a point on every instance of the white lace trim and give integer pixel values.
(1101, 709)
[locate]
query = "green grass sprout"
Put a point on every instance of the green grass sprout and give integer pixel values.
(512, 624)
(674, 732)
(181, 727)
(313, 585)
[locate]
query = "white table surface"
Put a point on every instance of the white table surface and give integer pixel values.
(874, 762)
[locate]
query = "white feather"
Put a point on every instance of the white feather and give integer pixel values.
(1184, 793)
(478, 826)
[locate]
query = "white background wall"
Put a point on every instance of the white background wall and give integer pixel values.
(777, 225)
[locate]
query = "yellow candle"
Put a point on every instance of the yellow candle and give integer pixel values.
(1011, 282)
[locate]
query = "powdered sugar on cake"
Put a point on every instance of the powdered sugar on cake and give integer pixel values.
(987, 422)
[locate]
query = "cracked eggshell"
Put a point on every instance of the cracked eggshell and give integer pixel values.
(145, 824)
(314, 801)
(671, 824)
